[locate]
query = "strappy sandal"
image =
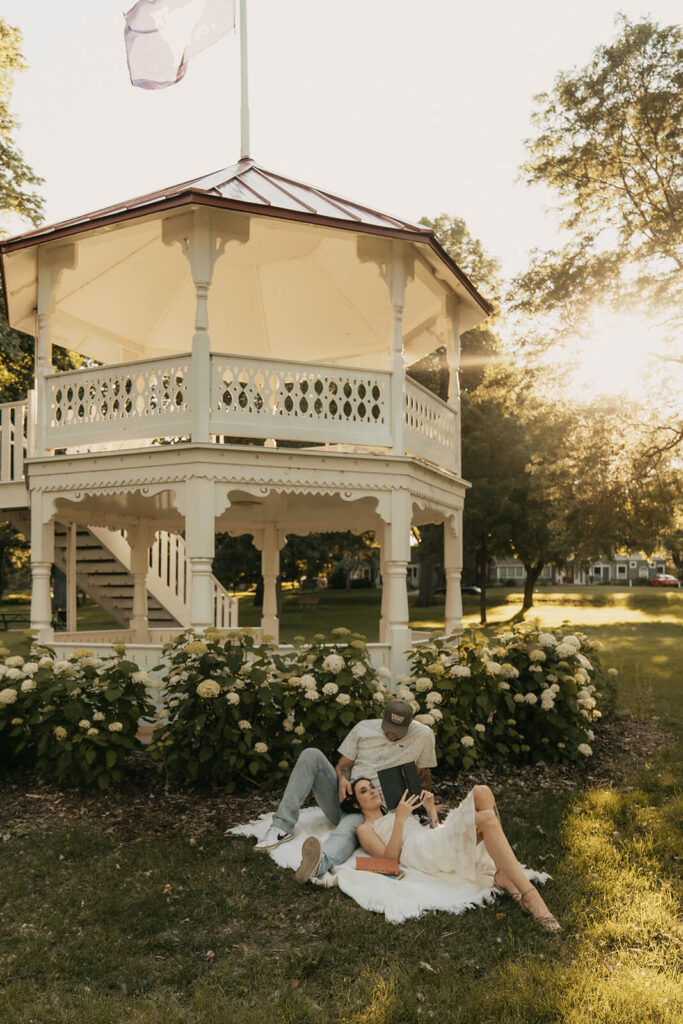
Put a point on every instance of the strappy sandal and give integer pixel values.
(548, 922)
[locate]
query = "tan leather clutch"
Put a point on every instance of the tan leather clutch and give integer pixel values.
(384, 865)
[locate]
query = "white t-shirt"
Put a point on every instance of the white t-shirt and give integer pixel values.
(369, 749)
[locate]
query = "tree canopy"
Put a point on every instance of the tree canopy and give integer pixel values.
(16, 177)
(609, 142)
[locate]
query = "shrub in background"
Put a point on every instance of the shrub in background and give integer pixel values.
(326, 686)
(528, 695)
(73, 719)
(221, 717)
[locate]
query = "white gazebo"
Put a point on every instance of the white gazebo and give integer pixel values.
(246, 338)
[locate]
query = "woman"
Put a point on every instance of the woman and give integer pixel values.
(470, 842)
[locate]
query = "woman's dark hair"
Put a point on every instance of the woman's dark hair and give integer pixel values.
(349, 804)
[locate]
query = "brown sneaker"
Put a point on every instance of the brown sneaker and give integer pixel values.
(311, 856)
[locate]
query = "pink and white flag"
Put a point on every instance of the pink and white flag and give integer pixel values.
(162, 35)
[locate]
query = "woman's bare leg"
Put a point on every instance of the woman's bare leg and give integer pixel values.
(509, 873)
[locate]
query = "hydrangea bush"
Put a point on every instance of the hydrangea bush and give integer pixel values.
(221, 715)
(526, 696)
(73, 719)
(327, 685)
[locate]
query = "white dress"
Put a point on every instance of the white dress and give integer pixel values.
(451, 847)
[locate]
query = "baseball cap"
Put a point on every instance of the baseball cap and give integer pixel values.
(397, 717)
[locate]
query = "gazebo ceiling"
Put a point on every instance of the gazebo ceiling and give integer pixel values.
(296, 289)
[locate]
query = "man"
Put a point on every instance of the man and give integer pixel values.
(372, 744)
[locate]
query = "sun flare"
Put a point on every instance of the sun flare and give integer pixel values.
(619, 357)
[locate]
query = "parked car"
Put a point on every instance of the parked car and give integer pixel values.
(663, 579)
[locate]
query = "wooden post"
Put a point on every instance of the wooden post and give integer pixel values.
(42, 557)
(397, 556)
(200, 541)
(452, 560)
(71, 577)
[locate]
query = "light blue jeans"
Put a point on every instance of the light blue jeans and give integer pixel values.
(314, 773)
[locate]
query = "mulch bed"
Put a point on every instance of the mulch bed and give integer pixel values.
(145, 809)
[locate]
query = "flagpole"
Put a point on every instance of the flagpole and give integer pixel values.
(244, 76)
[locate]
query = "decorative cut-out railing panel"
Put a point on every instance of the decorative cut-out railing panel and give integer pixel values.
(430, 426)
(143, 399)
(12, 441)
(300, 401)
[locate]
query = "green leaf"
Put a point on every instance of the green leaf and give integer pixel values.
(110, 758)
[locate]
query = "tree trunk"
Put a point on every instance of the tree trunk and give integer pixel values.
(482, 566)
(532, 574)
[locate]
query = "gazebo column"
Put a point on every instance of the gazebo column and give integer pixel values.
(42, 557)
(453, 359)
(397, 556)
(140, 539)
(51, 263)
(203, 235)
(385, 589)
(71, 577)
(199, 549)
(452, 560)
(270, 543)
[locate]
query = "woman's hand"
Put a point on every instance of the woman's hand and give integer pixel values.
(407, 805)
(427, 799)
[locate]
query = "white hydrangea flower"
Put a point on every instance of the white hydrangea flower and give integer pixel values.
(565, 650)
(333, 663)
(98, 716)
(403, 693)
(140, 677)
(467, 741)
(84, 723)
(612, 672)
(329, 689)
(288, 725)
(383, 672)
(60, 732)
(403, 679)
(584, 662)
(232, 698)
(479, 727)
(590, 734)
(508, 671)
(519, 698)
(299, 730)
(561, 746)
(343, 699)
(463, 671)
(30, 668)
(378, 696)
(546, 640)
(493, 668)
(93, 732)
(536, 655)
(530, 698)
(14, 673)
(584, 749)
(434, 697)
(28, 685)
(502, 685)
(422, 684)
(293, 680)
(45, 662)
(308, 681)
(14, 662)
(425, 719)
(414, 705)
(550, 678)
(208, 688)
(63, 666)
(3, 671)
(311, 695)
(8, 695)
(573, 641)
(358, 670)
(261, 748)
(244, 725)
(436, 714)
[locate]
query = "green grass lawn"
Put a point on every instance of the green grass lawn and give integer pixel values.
(102, 926)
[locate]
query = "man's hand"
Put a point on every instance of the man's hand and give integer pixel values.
(343, 770)
(345, 789)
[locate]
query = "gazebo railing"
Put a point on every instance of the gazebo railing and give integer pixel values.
(246, 397)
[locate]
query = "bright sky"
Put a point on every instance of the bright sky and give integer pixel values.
(415, 109)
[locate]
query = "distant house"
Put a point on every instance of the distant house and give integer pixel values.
(620, 569)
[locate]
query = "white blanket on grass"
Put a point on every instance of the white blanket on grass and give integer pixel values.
(397, 899)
